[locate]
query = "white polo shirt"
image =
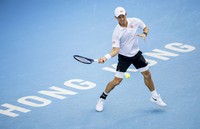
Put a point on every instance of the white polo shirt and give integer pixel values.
(125, 37)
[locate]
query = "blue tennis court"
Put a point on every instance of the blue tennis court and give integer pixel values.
(42, 86)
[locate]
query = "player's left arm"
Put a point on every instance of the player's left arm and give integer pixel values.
(145, 33)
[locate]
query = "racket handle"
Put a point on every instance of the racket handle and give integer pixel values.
(95, 60)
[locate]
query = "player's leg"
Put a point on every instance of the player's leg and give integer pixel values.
(110, 86)
(141, 64)
(122, 66)
(149, 83)
(148, 80)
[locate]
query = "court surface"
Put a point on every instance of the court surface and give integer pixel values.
(43, 87)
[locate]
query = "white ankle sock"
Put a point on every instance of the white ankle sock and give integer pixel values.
(154, 93)
(105, 93)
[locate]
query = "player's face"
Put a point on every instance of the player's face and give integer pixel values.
(122, 20)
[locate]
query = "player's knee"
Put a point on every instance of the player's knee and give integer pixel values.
(117, 81)
(147, 74)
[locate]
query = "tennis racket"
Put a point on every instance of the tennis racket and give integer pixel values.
(84, 60)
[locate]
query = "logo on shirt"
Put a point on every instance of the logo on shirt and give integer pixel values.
(131, 26)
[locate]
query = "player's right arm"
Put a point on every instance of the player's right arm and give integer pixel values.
(115, 46)
(112, 53)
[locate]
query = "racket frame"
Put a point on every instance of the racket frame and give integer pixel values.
(90, 61)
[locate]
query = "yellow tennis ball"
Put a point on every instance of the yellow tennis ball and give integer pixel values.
(127, 75)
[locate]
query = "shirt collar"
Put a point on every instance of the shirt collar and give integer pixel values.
(122, 28)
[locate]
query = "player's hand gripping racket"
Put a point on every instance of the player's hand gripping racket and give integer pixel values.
(84, 60)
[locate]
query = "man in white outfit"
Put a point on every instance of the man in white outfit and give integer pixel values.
(125, 45)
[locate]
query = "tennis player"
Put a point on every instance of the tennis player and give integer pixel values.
(125, 45)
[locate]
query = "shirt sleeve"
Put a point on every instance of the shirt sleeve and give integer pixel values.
(115, 39)
(141, 23)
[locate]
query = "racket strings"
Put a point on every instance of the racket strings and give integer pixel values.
(83, 59)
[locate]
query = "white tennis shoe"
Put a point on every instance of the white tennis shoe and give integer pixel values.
(100, 104)
(158, 101)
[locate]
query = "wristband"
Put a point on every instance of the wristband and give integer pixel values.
(145, 33)
(108, 56)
